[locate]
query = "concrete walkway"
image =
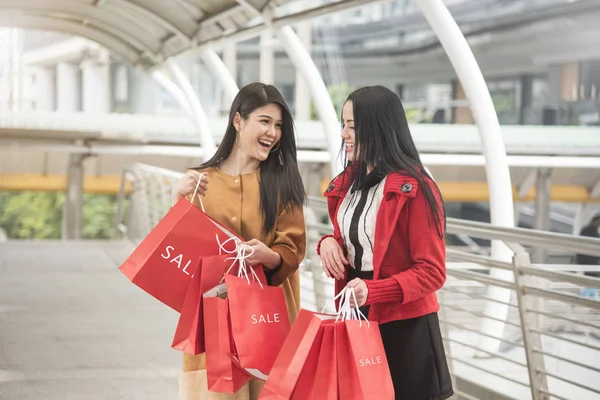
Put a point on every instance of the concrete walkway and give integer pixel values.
(73, 327)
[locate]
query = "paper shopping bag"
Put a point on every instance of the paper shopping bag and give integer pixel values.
(189, 334)
(293, 356)
(222, 374)
(164, 262)
(325, 386)
(304, 388)
(363, 371)
(259, 322)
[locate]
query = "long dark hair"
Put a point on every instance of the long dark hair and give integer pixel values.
(383, 140)
(281, 185)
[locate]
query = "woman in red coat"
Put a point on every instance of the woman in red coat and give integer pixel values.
(388, 240)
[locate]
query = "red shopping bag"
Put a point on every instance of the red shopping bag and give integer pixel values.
(163, 263)
(189, 335)
(363, 371)
(259, 321)
(325, 386)
(293, 356)
(306, 381)
(222, 375)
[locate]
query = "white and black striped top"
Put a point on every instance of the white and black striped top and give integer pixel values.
(357, 216)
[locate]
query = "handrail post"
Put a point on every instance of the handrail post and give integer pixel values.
(120, 201)
(138, 215)
(145, 207)
(165, 187)
(153, 201)
(532, 340)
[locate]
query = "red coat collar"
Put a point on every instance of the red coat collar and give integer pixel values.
(396, 182)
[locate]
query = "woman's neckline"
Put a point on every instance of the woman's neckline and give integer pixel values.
(218, 168)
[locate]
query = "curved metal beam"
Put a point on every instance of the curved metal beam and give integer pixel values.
(111, 23)
(323, 104)
(206, 139)
(218, 68)
(497, 169)
(173, 90)
(119, 48)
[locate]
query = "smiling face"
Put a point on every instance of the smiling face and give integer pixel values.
(348, 134)
(260, 132)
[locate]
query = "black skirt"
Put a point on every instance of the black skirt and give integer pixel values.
(416, 357)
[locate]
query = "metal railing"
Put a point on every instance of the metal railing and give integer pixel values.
(149, 190)
(550, 347)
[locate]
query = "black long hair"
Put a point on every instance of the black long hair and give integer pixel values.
(281, 186)
(383, 140)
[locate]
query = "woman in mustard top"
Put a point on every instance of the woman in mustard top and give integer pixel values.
(252, 186)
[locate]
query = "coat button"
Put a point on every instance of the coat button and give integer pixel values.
(234, 218)
(407, 188)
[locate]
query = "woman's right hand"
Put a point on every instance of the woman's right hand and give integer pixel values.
(187, 184)
(332, 258)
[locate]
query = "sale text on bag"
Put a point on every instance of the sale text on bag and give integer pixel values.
(363, 362)
(177, 259)
(265, 319)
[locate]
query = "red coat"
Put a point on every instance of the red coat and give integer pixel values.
(407, 247)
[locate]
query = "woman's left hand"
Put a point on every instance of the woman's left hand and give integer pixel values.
(262, 255)
(361, 291)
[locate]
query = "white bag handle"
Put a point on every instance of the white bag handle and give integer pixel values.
(196, 191)
(346, 312)
(332, 300)
(242, 252)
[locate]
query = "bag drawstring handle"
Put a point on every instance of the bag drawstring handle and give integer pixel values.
(242, 251)
(346, 312)
(340, 294)
(359, 313)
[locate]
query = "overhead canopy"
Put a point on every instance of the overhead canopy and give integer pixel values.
(142, 32)
(145, 33)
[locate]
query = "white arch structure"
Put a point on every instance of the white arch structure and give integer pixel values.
(494, 151)
(149, 34)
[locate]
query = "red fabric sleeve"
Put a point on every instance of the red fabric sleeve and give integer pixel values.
(383, 291)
